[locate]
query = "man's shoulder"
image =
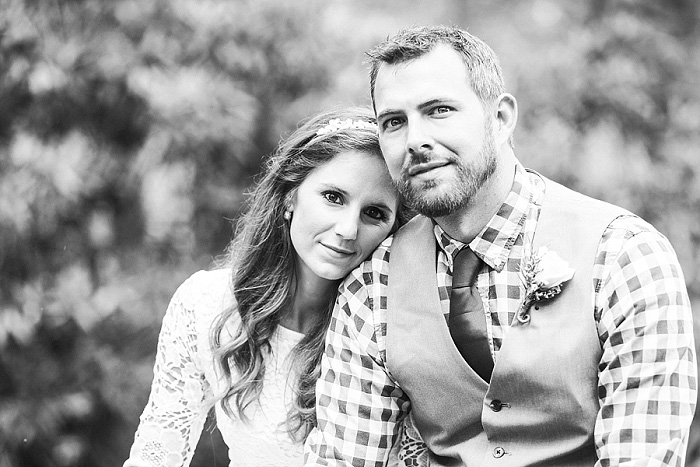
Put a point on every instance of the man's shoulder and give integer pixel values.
(372, 269)
(375, 269)
(633, 231)
(378, 261)
(623, 220)
(624, 229)
(382, 252)
(568, 198)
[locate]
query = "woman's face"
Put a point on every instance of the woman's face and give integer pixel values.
(340, 213)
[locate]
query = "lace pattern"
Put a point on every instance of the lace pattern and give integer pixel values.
(185, 386)
(412, 450)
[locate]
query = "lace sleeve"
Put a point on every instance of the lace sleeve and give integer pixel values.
(172, 420)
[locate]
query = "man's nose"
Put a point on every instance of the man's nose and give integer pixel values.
(418, 138)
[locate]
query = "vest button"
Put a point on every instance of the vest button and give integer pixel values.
(498, 452)
(496, 405)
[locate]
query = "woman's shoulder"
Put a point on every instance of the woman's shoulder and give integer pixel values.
(206, 293)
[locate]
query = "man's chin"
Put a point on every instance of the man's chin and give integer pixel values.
(435, 206)
(436, 211)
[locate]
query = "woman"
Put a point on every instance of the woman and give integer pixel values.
(248, 337)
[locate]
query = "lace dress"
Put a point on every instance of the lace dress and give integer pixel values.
(185, 384)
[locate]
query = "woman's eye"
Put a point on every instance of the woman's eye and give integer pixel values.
(332, 197)
(376, 214)
(442, 109)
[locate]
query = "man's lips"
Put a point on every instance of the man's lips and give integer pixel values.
(417, 169)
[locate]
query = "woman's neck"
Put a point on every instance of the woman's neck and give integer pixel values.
(310, 302)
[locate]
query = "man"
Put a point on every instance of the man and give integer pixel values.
(595, 369)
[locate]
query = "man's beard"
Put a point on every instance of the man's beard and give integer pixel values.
(471, 176)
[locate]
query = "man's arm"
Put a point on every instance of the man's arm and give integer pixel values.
(647, 376)
(357, 403)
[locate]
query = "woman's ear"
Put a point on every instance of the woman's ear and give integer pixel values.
(289, 200)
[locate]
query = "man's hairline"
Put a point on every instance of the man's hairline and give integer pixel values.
(484, 104)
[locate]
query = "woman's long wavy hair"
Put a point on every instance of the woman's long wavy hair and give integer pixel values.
(262, 258)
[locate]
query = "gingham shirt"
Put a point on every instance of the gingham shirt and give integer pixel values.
(647, 374)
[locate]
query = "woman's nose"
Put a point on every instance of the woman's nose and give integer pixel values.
(346, 227)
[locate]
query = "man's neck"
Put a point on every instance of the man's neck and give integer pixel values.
(465, 224)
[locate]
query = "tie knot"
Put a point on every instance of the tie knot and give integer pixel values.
(465, 268)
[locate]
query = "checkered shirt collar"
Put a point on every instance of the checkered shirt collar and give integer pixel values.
(494, 242)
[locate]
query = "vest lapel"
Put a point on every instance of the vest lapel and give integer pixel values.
(419, 339)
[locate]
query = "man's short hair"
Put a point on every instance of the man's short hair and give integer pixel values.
(486, 78)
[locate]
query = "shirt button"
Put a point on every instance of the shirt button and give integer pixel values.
(498, 452)
(496, 405)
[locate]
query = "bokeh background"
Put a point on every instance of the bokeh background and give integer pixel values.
(130, 129)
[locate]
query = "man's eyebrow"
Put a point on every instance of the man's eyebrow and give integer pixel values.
(422, 105)
(432, 102)
(386, 112)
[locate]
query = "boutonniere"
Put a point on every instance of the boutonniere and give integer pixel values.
(544, 275)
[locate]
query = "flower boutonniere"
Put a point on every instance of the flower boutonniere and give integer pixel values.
(544, 275)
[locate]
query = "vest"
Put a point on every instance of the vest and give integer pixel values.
(541, 404)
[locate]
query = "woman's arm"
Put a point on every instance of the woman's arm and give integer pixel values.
(172, 420)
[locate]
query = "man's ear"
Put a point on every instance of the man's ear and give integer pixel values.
(506, 110)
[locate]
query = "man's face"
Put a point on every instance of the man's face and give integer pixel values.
(434, 133)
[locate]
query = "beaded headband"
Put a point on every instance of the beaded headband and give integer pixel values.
(336, 124)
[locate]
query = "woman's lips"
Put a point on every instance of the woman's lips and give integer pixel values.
(338, 250)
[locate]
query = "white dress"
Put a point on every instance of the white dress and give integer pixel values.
(185, 383)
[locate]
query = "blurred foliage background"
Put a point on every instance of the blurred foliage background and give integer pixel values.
(129, 130)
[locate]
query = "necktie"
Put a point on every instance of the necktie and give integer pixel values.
(467, 321)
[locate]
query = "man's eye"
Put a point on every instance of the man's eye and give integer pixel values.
(442, 109)
(392, 122)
